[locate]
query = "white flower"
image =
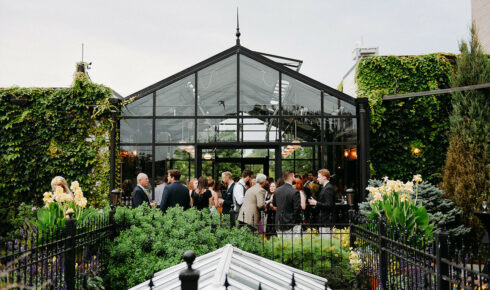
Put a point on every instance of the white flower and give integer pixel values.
(48, 198)
(385, 179)
(417, 178)
(74, 186)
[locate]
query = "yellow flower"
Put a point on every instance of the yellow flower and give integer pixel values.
(404, 197)
(82, 202)
(74, 186)
(48, 197)
(417, 178)
(336, 255)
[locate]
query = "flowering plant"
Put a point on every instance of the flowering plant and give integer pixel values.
(395, 199)
(58, 205)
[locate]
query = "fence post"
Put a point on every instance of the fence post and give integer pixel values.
(189, 277)
(383, 257)
(352, 238)
(70, 231)
(112, 221)
(442, 251)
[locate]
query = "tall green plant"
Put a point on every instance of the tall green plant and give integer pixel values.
(467, 168)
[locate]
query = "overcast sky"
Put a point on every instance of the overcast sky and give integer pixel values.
(133, 44)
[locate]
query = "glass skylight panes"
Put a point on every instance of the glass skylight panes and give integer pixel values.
(336, 107)
(216, 130)
(259, 88)
(136, 131)
(174, 130)
(176, 99)
(217, 89)
(299, 99)
(140, 107)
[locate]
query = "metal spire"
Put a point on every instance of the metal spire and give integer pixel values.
(237, 28)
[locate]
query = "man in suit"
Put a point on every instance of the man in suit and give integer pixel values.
(288, 202)
(139, 193)
(227, 179)
(175, 193)
(325, 205)
(253, 202)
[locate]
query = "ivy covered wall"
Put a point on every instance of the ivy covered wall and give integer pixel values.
(400, 126)
(47, 132)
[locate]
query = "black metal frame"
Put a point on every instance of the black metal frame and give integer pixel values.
(362, 116)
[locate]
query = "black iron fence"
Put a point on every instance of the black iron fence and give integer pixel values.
(393, 258)
(65, 258)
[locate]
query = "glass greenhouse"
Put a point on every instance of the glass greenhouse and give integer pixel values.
(242, 110)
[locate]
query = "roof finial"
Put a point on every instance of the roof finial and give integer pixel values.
(237, 28)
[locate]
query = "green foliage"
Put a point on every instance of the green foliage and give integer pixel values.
(439, 208)
(406, 123)
(153, 241)
(400, 208)
(324, 257)
(467, 168)
(53, 131)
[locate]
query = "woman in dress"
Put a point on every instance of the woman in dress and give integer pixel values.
(201, 196)
(192, 185)
(270, 211)
(213, 201)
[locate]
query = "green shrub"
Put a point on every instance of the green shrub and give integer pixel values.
(326, 257)
(439, 208)
(152, 241)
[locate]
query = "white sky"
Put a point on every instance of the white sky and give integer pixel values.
(133, 44)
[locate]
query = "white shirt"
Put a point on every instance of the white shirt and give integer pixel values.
(158, 193)
(239, 192)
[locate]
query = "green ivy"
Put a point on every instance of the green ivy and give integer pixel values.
(47, 132)
(400, 126)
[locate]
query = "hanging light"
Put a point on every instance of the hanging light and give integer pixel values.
(135, 152)
(207, 156)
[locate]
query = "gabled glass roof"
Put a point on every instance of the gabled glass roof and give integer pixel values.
(259, 87)
(244, 270)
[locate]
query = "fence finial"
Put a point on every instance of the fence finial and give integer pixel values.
(293, 282)
(226, 284)
(189, 277)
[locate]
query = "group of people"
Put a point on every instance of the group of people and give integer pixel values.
(257, 201)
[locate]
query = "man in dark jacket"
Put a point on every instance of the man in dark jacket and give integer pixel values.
(325, 204)
(288, 202)
(175, 193)
(139, 193)
(227, 179)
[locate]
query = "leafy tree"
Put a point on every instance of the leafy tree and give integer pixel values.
(467, 170)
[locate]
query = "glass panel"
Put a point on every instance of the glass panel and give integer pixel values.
(341, 130)
(259, 88)
(287, 165)
(301, 129)
(136, 131)
(234, 167)
(174, 130)
(255, 153)
(134, 160)
(140, 107)
(299, 99)
(259, 129)
(341, 161)
(255, 168)
(217, 89)
(215, 130)
(229, 152)
(335, 107)
(176, 99)
(175, 157)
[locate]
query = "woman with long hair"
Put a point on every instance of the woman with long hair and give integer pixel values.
(192, 185)
(214, 200)
(201, 196)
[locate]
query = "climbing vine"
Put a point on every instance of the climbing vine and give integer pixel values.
(408, 135)
(47, 132)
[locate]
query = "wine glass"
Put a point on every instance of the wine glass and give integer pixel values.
(484, 204)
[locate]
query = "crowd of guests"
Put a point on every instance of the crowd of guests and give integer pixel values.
(256, 201)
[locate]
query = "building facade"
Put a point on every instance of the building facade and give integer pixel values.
(241, 110)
